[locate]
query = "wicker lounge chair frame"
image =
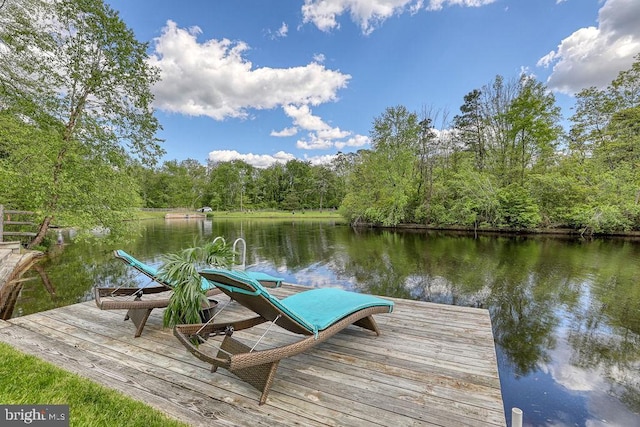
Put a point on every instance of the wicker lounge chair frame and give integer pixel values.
(138, 309)
(258, 367)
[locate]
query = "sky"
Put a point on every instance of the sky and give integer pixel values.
(269, 81)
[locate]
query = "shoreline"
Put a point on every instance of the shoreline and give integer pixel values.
(559, 232)
(333, 215)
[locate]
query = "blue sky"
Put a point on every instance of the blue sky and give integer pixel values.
(273, 80)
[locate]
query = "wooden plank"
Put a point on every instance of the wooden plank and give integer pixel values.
(16, 212)
(432, 365)
(4, 324)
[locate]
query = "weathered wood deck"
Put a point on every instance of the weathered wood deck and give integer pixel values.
(431, 365)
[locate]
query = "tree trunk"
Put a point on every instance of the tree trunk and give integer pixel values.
(42, 232)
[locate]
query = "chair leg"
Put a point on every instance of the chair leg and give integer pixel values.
(259, 376)
(139, 318)
(368, 323)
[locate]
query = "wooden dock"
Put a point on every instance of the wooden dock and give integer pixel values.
(187, 215)
(432, 365)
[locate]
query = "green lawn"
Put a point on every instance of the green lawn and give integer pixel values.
(27, 380)
(298, 215)
(311, 214)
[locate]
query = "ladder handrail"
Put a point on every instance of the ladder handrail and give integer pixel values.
(233, 248)
(244, 250)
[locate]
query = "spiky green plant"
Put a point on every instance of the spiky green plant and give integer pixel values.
(181, 270)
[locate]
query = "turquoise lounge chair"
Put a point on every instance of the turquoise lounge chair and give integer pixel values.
(316, 314)
(139, 309)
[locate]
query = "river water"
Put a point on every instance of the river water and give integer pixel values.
(565, 311)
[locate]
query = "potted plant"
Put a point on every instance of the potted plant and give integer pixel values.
(188, 298)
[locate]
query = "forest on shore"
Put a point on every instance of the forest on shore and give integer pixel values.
(78, 145)
(504, 162)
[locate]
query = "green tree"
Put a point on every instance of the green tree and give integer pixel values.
(271, 185)
(25, 177)
(233, 184)
(85, 83)
(300, 189)
(624, 90)
(382, 186)
(517, 208)
(471, 127)
(328, 192)
(497, 98)
(341, 166)
(534, 127)
(593, 111)
(181, 183)
(606, 135)
(469, 198)
(428, 152)
(622, 144)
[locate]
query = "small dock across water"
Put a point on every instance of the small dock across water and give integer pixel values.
(180, 215)
(432, 365)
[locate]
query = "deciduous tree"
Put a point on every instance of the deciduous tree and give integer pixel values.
(86, 83)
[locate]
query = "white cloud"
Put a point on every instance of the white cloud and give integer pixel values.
(593, 56)
(321, 136)
(315, 143)
(285, 132)
(320, 160)
(595, 380)
(279, 33)
(302, 117)
(439, 4)
(355, 141)
(283, 30)
(319, 58)
(213, 79)
(257, 160)
(332, 133)
(263, 161)
(369, 14)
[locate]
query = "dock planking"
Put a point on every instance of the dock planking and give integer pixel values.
(432, 365)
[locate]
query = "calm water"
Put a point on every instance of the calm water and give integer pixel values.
(565, 312)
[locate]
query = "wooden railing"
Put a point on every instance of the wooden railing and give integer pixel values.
(14, 218)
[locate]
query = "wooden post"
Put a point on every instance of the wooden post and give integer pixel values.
(1, 222)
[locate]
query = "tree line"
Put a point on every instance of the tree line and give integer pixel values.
(237, 185)
(507, 162)
(78, 145)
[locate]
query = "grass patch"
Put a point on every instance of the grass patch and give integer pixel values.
(274, 214)
(27, 380)
(150, 214)
(306, 214)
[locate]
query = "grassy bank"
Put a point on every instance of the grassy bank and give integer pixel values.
(311, 214)
(28, 380)
(298, 215)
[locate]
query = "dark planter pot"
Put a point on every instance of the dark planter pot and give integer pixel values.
(207, 312)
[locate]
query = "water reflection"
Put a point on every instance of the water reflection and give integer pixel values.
(565, 312)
